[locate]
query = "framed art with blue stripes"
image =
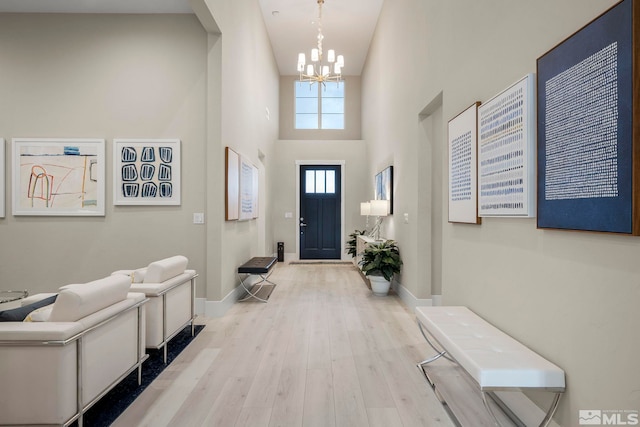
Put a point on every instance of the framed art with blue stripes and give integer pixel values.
(146, 172)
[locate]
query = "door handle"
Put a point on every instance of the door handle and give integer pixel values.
(302, 224)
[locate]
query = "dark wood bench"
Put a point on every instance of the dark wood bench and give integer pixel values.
(257, 266)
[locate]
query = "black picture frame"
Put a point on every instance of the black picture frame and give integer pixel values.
(384, 187)
(588, 136)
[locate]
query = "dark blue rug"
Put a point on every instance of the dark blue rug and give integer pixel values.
(107, 409)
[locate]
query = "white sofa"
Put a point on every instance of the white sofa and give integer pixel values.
(171, 289)
(52, 371)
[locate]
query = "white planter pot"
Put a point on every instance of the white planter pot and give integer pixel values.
(379, 285)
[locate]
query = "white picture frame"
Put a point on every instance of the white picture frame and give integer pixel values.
(146, 172)
(248, 199)
(2, 178)
(58, 177)
(506, 152)
(462, 146)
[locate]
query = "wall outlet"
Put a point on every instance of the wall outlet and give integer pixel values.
(406, 218)
(198, 218)
(288, 215)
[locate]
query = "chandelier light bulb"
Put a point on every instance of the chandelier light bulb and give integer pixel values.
(331, 55)
(301, 59)
(310, 70)
(341, 60)
(325, 70)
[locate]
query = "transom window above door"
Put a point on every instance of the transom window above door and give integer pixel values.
(320, 181)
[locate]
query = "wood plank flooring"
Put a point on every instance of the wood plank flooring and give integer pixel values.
(322, 352)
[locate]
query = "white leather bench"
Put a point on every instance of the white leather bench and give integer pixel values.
(496, 361)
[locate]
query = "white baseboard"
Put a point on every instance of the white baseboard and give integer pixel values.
(411, 301)
(218, 308)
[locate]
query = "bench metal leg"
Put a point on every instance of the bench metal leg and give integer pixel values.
(552, 410)
(544, 423)
(432, 359)
(485, 401)
(433, 347)
(260, 284)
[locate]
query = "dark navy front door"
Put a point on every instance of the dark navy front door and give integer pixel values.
(319, 222)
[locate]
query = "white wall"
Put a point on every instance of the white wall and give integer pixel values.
(103, 76)
(571, 296)
(238, 104)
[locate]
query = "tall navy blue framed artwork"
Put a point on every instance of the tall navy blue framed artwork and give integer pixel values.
(588, 150)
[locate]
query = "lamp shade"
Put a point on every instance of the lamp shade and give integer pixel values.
(379, 207)
(365, 208)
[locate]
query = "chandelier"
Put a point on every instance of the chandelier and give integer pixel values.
(319, 71)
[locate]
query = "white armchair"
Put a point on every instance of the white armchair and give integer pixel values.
(53, 370)
(171, 289)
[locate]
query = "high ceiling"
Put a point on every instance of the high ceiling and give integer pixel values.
(292, 25)
(347, 26)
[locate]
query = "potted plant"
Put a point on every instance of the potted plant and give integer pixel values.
(352, 243)
(380, 262)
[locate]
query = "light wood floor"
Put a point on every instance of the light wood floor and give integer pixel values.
(322, 352)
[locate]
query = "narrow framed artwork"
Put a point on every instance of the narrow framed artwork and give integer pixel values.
(232, 184)
(58, 177)
(506, 152)
(248, 201)
(588, 135)
(463, 176)
(256, 179)
(384, 187)
(2, 179)
(146, 172)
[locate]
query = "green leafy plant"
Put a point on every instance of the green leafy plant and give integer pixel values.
(381, 259)
(352, 243)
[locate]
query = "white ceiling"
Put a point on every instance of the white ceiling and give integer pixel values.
(292, 25)
(347, 26)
